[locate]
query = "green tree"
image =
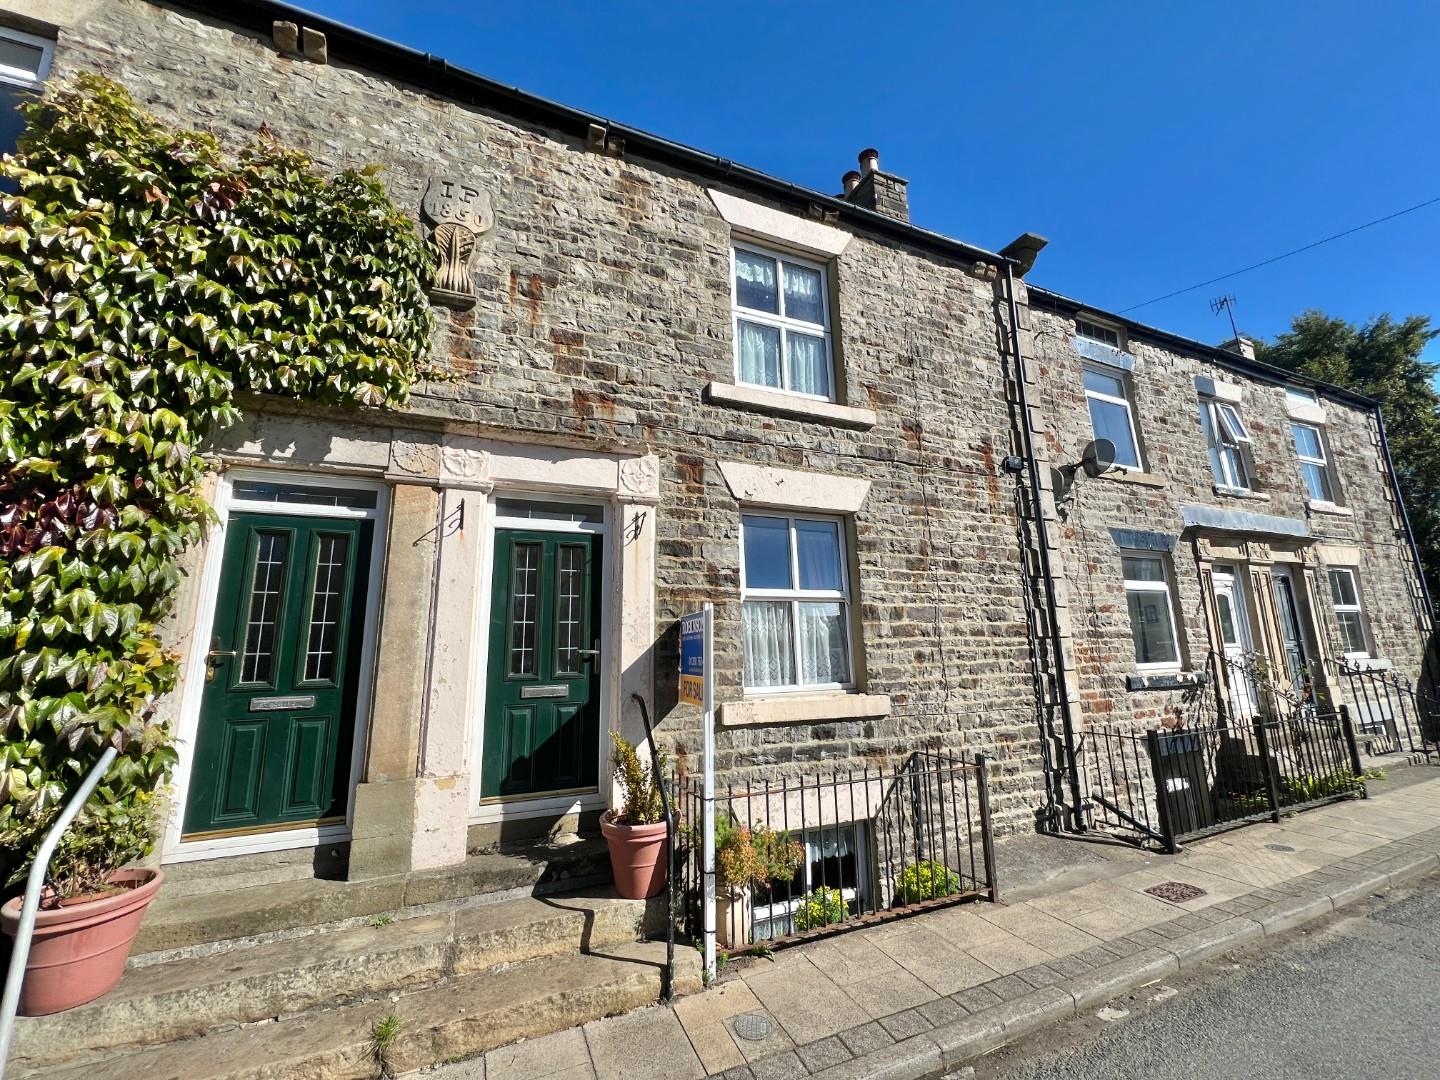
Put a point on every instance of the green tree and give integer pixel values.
(1382, 359)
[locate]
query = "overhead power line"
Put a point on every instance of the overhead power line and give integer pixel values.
(1286, 255)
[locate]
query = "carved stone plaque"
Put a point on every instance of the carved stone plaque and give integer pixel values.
(460, 213)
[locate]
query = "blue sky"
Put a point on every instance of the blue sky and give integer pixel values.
(1155, 145)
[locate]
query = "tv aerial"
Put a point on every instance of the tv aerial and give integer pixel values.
(1226, 304)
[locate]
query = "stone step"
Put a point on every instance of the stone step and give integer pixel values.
(208, 907)
(182, 998)
(457, 1018)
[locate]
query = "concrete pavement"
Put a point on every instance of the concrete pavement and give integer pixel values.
(920, 995)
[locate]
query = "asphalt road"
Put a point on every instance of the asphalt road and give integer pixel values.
(1355, 996)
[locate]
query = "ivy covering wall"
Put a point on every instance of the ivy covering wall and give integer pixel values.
(147, 278)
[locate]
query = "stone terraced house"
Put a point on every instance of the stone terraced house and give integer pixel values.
(681, 380)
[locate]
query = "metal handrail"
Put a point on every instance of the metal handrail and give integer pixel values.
(20, 952)
(668, 990)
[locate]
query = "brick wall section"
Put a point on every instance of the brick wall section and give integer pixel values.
(604, 312)
(1173, 448)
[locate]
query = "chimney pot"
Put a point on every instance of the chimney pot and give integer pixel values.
(850, 179)
(869, 160)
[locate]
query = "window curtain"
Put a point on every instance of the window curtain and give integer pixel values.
(769, 649)
(809, 371)
(824, 657)
(759, 354)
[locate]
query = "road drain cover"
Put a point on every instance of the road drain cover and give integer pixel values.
(753, 1026)
(1177, 892)
(1278, 847)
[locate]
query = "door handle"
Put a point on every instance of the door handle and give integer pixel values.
(590, 654)
(211, 658)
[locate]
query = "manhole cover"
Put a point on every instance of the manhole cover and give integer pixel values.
(1177, 892)
(1278, 847)
(753, 1026)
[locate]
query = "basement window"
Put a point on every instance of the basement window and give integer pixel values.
(836, 857)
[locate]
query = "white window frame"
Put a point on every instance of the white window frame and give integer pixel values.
(1224, 429)
(1164, 586)
(1123, 378)
(1093, 330)
(781, 321)
(1357, 608)
(798, 596)
(1323, 461)
(1301, 396)
(783, 911)
(29, 79)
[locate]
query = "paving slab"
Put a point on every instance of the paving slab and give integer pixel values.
(561, 1056)
(647, 1044)
(805, 1002)
(1035, 926)
(941, 965)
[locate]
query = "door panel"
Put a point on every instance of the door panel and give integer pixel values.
(542, 705)
(277, 714)
(1235, 640)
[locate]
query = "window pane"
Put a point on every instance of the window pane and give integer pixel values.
(1342, 589)
(1104, 384)
(817, 547)
(524, 604)
(1307, 441)
(267, 590)
(327, 605)
(755, 282)
(824, 644)
(21, 57)
(1233, 466)
(759, 354)
(1151, 628)
(1113, 422)
(1143, 568)
(766, 543)
(548, 511)
(1231, 422)
(570, 608)
(306, 494)
(1296, 396)
(11, 122)
(802, 294)
(1352, 631)
(769, 646)
(809, 366)
(1317, 481)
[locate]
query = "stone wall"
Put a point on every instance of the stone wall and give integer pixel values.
(604, 313)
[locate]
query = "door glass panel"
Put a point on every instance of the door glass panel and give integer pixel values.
(305, 494)
(327, 607)
(569, 608)
(267, 584)
(524, 601)
(1227, 619)
(548, 511)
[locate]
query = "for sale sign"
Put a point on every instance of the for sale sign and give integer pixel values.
(692, 658)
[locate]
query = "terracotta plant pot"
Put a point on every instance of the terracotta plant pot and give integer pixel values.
(637, 857)
(80, 948)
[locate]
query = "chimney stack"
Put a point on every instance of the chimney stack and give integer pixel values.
(875, 190)
(1241, 345)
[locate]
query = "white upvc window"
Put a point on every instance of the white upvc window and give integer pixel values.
(1314, 464)
(1228, 442)
(1297, 396)
(794, 603)
(836, 857)
(1152, 611)
(780, 307)
(24, 63)
(1107, 392)
(1345, 599)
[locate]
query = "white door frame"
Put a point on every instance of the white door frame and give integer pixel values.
(193, 666)
(542, 805)
(1228, 579)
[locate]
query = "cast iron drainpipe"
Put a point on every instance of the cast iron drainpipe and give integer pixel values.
(1404, 516)
(667, 991)
(20, 949)
(1077, 820)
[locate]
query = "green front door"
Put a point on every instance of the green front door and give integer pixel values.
(542, 702)
(277, 714)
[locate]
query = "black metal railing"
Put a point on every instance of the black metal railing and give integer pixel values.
(1253, 685)
(1164, 786)
(667, 988)
(840, 850)
(1391, 714)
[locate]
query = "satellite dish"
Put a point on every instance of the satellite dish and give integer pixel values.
(1097, 457)
(1061, 481)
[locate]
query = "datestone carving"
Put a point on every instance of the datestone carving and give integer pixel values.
(640, 476)
(461, 213)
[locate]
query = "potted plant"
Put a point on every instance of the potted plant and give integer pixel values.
(747, 859)
(635, 830)
(91, 907)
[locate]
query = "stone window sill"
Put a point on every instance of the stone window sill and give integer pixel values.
(1165, 680)
(1317, 506)
(803, 709)
(1365, 663)
(782, 404)
(1240, 493)
(1135, 476)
